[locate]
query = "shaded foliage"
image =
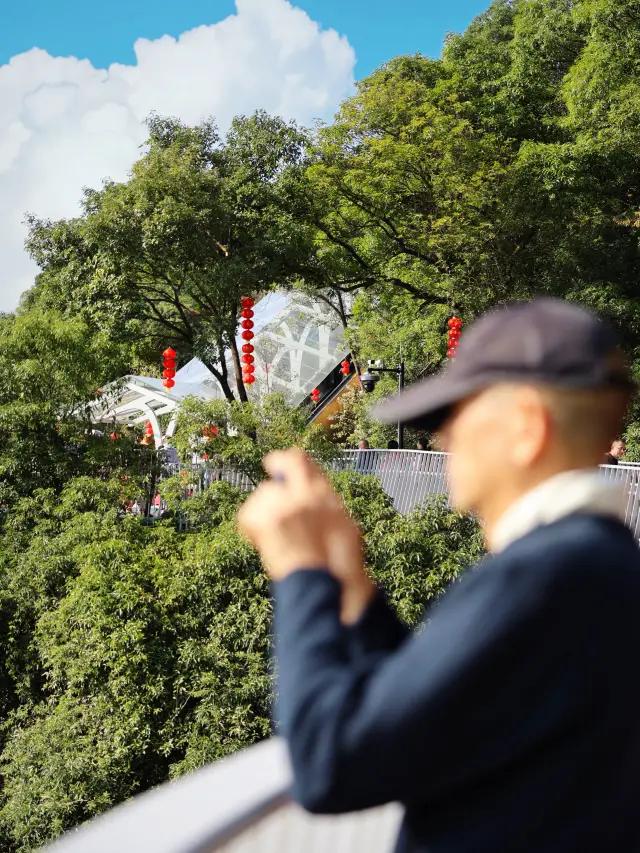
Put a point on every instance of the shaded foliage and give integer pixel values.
(134, 653)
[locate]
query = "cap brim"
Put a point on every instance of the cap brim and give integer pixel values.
(427, 404)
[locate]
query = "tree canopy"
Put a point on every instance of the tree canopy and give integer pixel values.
(167, 255)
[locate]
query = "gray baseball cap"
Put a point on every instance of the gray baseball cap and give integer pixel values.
(545, 341)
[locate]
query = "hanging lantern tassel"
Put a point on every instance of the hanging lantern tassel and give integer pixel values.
(169, 364)
(455, 326)
(345, 368)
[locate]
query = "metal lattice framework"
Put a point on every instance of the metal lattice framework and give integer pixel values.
(298, 342)
(296, 346)
(138, 399)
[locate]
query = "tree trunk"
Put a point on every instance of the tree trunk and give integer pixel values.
(222, 380)
(237, 366)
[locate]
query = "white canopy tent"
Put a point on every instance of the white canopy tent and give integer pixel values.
(138, 399)
(298, 342)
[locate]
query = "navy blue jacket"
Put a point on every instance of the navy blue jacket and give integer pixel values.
(510, 723)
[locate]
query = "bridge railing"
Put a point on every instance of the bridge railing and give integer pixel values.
(409, 477)
(237, 805)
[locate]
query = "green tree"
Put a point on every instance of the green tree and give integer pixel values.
(50, 368)
(505, 169)
(132, 653)
(239, 435)
(167, 255)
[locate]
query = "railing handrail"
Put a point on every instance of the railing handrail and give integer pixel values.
(389, 450)
(195, 814)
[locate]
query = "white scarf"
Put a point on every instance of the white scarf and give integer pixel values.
(584, 490)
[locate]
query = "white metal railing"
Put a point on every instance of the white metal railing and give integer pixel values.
(629, 477)
(407, 476)
(237, 805)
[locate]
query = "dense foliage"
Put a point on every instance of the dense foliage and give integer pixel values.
(131, 653)
(238, 435)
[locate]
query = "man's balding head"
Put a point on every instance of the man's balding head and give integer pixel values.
(509, 437)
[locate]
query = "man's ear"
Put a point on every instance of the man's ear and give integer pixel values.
(532, 427)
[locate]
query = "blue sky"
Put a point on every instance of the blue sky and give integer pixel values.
(104, 32)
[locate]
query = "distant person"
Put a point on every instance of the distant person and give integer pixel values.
(393, 445)
(362, 459)
(170, 454)
(511, 721)
(422, 444)
(616, 452)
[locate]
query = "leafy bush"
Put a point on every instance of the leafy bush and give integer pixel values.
(133, 653)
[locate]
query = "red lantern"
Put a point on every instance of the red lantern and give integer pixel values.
(169, 383)
(247, 313)
(248, 335)
(249, 379)
(168, 374)
(247, 302)
(169, 363)
(248, 348)
(249, 368)
(454, 333)
(247, 324)
(247, 359)
(148, 430)
(169, 353)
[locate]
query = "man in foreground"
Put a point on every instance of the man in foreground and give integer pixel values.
(512, 722)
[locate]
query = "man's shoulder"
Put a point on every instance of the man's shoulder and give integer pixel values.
(578, 534)
(580, 547)
(575, 568)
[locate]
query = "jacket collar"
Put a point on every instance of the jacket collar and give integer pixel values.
(580, 491)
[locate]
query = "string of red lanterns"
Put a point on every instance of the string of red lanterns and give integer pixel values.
(248, 359)
(345, 368)
(455, 327)
(315, 395)
(169, 356)
(148, 430)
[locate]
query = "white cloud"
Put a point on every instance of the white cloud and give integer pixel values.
(65, 124)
